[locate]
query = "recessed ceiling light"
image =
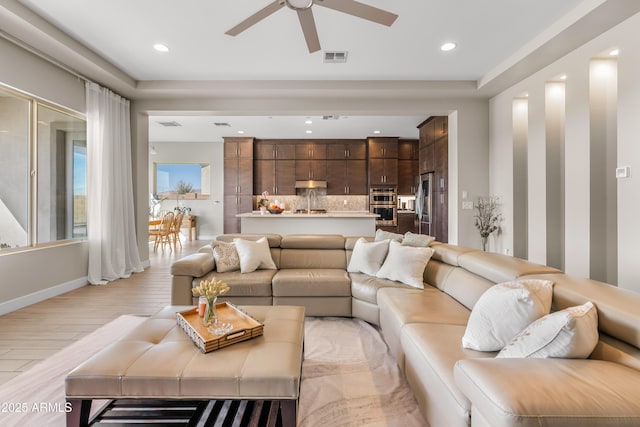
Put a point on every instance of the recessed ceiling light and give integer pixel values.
(160, 47)
(308, 122)
(309, 131)
(614, 52)
(241, 132)
(448, 46)
(376, 132)
(563, 77)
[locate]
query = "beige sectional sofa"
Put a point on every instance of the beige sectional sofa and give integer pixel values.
(454, 386)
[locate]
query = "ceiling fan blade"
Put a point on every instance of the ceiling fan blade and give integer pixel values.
(256, 17)
(360, 10)
(309, 29)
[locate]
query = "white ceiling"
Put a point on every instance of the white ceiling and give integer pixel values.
(110, 41)
(123, 31)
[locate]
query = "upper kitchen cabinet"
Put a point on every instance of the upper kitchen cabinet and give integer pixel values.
(354, 150)
(383, 161)
(238, 148)
(408, 172)
(311, 151)
(347, 177)
(383, 148)
(311, 169)
(273, 149)
(274, 176)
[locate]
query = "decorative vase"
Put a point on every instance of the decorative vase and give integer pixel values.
(263, 210)
(484, 242)
(210, 314)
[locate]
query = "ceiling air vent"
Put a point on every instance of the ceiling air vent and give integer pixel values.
(335, 57)
(330, 117)
(222, 124)
(170, 124)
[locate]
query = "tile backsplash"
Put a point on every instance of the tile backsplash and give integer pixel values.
(321, 201)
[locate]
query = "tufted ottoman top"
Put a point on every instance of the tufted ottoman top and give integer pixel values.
(158, 360)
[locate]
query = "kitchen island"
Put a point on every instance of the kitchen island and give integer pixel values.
(333, 222)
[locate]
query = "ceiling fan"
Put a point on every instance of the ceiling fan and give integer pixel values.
(305, 15)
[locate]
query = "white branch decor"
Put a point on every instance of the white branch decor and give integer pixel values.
(487, 217)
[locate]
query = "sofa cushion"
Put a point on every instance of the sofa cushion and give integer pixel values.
(570, 333)
(367, 257)
(311, 282)
(257, 283)
(551, 392)
(254, 255)
(431, 352)
(273, 239)
(365, 287)
(195, 265)
(399, 307)
(312, 241)
(405, 264)
(449, 253)
(504, 311)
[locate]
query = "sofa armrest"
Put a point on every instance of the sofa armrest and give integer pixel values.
(554, 392)
(195, 265)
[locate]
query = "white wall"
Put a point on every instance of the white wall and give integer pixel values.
(577, 154)
(209, 212)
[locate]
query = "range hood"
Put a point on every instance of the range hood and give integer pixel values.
(311, 184)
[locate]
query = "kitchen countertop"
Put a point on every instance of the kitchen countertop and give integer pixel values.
(289, 214)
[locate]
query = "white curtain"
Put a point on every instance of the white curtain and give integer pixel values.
(113, 250)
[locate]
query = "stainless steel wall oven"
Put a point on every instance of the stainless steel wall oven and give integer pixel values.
(384, 202)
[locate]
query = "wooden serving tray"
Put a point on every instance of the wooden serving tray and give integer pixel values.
(245, 327)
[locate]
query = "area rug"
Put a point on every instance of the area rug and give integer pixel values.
(349, 378)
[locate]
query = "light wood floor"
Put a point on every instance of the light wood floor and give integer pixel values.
(31, 334)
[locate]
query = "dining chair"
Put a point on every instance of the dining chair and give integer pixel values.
(163, 233)
(175, 230)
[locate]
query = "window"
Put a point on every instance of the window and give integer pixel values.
(182, 180)
(43, 196)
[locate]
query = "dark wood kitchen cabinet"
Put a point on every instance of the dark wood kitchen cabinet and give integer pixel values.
(275, 176)
(272, 150)
(407, 222)
(434, 157)
(311, 150)
(383, 161)
(311, 169)
(407, 166)
(353, 150)
(238, 180)
(347, 177)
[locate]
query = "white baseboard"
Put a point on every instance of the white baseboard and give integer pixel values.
(26, 300)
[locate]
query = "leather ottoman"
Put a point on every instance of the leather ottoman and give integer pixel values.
(157, 360)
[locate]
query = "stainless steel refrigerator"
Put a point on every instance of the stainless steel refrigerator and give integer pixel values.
(424, 204)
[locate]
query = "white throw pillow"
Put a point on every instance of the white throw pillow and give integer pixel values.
(367, 257)
(417, 240)
(504, 310)
(387, 235)
(225, 256)
(570, 333)
(405, 264)
(254, 255)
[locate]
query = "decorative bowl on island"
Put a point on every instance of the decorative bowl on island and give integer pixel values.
(275, 210)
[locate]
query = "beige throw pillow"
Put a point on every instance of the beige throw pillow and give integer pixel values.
(405, 264)
(504, 310)
(367, 257)
(571, 333)
(226, 257)
(387, 235)
(417, 240)
(254, 255)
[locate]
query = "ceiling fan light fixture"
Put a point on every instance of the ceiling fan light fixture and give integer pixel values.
(299, 4)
